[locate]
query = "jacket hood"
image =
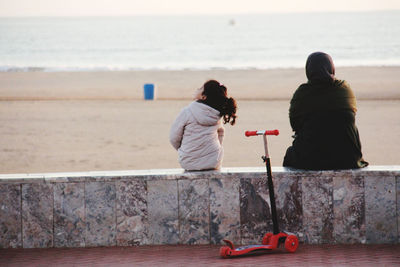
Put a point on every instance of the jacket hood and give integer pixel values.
(204, 114)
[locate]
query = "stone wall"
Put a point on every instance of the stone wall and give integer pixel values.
(126, 208)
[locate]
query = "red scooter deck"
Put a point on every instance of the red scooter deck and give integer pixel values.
(270, 242)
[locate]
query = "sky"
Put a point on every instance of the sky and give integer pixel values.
(185, 7)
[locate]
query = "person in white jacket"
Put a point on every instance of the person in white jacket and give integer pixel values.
(197, 133)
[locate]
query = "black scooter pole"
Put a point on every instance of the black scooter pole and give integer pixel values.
(267, 161)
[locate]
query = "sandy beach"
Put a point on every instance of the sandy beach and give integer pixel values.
(87, 121)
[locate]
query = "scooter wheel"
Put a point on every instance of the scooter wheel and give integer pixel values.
(225, 252)
(267, 238)
(291, 243)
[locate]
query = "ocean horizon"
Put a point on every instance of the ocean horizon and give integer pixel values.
(198, 42)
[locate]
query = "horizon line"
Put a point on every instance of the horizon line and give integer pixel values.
(200, 14)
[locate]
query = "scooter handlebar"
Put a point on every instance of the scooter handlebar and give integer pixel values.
(263, 132)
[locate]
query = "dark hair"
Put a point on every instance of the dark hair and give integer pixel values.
(216, 97)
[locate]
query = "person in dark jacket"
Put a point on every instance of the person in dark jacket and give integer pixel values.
(322, 115)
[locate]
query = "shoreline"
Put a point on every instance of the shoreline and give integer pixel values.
(15, 69)
(272, 84)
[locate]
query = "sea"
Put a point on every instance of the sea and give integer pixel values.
(198, 42)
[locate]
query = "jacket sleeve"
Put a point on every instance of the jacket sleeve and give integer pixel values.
(296, 121)
(221, 132)
(177, 129)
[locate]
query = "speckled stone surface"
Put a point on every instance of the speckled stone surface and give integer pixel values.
(162, 198)
(288, 195)
(37, 215)
(398, 206)
(380, 211)
(10, 216)
(194, 211)
(127, 208)
(100, 214)
(69, 215)
(317, 201)
(255, 211)
(132, 216)
(224, 210)
(348, 208)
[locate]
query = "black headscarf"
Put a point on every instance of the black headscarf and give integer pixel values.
(320, 68)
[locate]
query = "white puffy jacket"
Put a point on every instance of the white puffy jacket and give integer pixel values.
(197, 134)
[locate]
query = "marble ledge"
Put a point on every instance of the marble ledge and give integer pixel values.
(177, 174)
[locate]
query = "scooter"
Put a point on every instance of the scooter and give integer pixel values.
(272, 240)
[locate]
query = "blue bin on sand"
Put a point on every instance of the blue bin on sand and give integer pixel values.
(148, 91)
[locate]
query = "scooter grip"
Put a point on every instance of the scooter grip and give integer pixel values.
(272, 132)
(250, 133)
(267, 132)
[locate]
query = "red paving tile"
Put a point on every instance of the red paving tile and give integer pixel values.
(184, 255)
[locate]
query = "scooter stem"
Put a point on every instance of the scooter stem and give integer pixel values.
(271, 188)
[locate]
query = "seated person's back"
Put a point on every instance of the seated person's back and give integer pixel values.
(322, 115)
(197, 133)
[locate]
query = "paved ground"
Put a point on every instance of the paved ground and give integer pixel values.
(183, 255)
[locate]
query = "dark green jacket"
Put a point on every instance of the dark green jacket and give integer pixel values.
(322, 115)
